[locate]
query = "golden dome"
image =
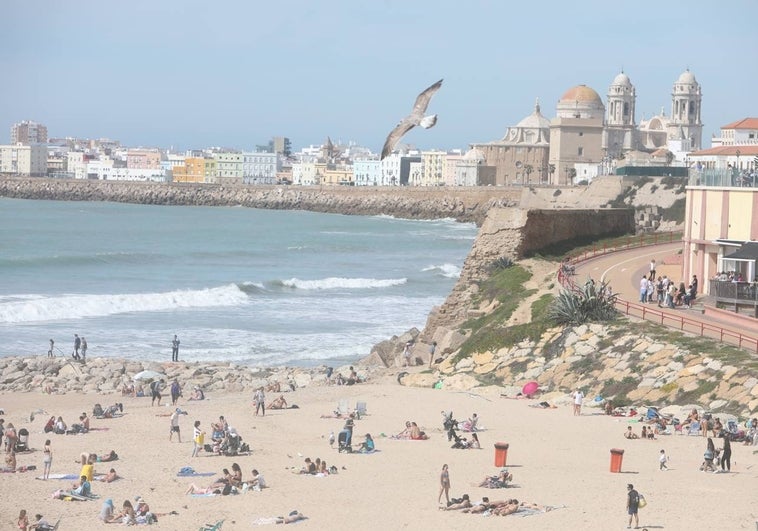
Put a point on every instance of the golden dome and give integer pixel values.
(581, 93)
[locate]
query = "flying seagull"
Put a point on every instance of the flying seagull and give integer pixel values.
(416, 117)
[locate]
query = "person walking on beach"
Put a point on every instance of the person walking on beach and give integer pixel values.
(726, 455)
(176, 392)
(47, 460)
(632, 506)
(198, 438)
(50, 353)
(175, 425)
(77, 346)
(260, 401)
(84, 348)
(444, 485)
(175, 349)
(155, 390)
(663, 460)
(432, 349)
(578, 398)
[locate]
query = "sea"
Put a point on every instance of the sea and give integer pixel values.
(247, 286)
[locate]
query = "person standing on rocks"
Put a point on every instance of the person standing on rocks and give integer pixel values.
(84, 348)
(50, 353)
(175, 349)
(432, 349)
(77, 346)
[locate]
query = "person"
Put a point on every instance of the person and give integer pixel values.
(175, 425)
(77, 346)
(127, 389)
(368, 444)
(84, 349)
(127, 515)
(694, 285)
(142, 510)
(197, 393)
(23, 520)
(260, 401)
(257, 480)
(155, 390)
(470, 424)
(474, 443)
(717, 427)
(220, 429)
(84, 421)
(10, 438)
(578, 398)
(497, 482)
(50, 426)
(236, 480)
(47, 460)
(198, 438)
(662, 460)
(708, 456)
(88, 466)
(10, 462)
(652, 268)
(175, 349)
(416, 433)
(406, 433)
(432, 350)
(407, 354)
(726, 455)
(444, 485)
(50, 353)
(644, 432)
(309, 467)
(110, 477)
(83, 488)
(465, 503)
(176, 392)
(293, 517)
(632, 505)
(106, 511)
(41, 524)
(278, 403)
(643, 289)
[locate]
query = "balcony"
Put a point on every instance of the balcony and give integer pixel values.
(734, 295)
(723, 178)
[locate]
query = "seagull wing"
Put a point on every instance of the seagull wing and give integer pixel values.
(395, 135)
(423, 99)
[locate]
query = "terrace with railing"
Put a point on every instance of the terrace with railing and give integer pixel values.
(729, 177)
(734, 294)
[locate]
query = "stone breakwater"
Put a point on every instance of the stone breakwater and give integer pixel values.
(108, 375)
(605, 360)
(462, 204)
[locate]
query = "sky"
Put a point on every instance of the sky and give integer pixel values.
(188, 74)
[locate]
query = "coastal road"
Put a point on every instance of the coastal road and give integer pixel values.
(624, 269)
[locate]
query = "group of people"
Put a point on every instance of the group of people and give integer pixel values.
(130, 514)
(665, 291)
(80, 348)
(317, 467)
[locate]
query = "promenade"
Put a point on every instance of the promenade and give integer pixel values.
(623, 270)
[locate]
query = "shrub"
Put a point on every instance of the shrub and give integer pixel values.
(588, 303)
(501, 263)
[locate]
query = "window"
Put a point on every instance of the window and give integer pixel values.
(580, 151)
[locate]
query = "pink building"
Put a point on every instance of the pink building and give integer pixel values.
(143, 159)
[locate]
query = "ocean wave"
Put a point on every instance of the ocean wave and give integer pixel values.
(60, 260)
(445, 270)
(337, 283)
(252, 288)
(64, 307)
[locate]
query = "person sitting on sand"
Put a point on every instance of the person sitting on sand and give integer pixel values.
(497, 482)
(406, 433)
(139, 391)
(10, 462)
(367, 445)
(309, 468)
(127, 515)
(416, 433)
(110, 477)
(106, 512)
(50, 426)
(465, 503)
(274, 387)
(474, 444)
(257, 480)
(60, 426)
(236, 479)
(197, 393)
(629, 434)
(291, 518)
(470, 424)
(41, 524)
(127, 390)
(278, 403)
(83, 488)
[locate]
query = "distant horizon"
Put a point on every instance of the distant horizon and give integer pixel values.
(193, 75)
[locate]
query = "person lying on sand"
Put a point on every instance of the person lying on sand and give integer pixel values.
(194, 489)
(294, 516)
(111, 476)
(497, 482)
(463, 503)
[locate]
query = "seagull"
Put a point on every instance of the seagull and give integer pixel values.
(416, 117)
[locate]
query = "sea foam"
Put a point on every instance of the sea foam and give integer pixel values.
(90, 305)
(338, 283)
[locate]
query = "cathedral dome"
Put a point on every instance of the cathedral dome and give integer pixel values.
(687, 78)
(582, 94)
(535, 120)
(622, 79)
(474, 154)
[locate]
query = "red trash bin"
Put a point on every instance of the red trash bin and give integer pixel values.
(501, 453)
(617, 457)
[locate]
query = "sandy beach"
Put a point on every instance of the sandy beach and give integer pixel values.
(557, 460)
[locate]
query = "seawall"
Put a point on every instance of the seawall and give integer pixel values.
(468, 204)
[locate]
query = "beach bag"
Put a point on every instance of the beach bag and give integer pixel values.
(642, 501)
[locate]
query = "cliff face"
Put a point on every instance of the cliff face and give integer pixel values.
(462, 204)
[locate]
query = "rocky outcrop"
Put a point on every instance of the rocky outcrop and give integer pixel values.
(609, 361)
(108, 375)
(462, 204)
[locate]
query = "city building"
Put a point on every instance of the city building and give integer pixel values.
(368, 172)
(229, 167)
(260, 168)
(433, 169)
(28, 132)
(27, 160)
(192, 171)
(143, 159)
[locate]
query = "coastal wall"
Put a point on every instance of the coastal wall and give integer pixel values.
(468, 204)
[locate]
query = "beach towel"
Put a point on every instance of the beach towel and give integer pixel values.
(208, 495)
(188, 471)
(96, 477)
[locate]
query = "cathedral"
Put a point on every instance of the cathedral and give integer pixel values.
(589, 138)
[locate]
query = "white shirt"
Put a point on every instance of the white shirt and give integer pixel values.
(578, 397)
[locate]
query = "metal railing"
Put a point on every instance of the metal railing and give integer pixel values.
(566, 274)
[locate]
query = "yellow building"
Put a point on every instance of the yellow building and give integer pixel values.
(210, 173)
(434, 164)
(192, 171)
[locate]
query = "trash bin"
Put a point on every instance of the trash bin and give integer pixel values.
(501, 454)
(617, 457)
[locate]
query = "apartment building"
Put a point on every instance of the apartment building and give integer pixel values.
(28, 132)
(20, 159)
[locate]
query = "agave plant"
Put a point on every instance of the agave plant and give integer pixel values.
(589, 302)
(501, 263)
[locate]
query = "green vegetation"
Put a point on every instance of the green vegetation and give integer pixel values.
(619, 390)
(590, 303)
(675, 212)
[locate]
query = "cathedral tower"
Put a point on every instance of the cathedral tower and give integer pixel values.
(620, 128)
(685, 111)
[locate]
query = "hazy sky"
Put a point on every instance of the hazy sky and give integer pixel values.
(190, 74)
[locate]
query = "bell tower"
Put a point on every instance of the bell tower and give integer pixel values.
(686, 99)
(620, 126)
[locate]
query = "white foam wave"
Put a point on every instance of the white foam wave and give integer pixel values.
(337, 283)
(79, 306)
(446, 270)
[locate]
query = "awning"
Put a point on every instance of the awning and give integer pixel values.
(748, 252)
(733, 243)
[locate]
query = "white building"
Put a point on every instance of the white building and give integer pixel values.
(368, 172)
(259, 168)
(19, 159)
